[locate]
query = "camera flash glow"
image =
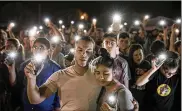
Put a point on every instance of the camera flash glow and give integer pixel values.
(162, 56)
(12, 54)
(35, 28)
(38, 58)
(116, 17)
(137, 22)
(12, 24)
(110, 29)
(121, 26)
(60, 21)
(94, 20)
(46, 20)
(81, 26)
(40, 27)
(72, 22)
(178, 21)
(55, 39)
(63, 26)
(177, 30)
(162, 22)
(125, 23)
(112, 98)
(146, 17)
(72, 50)
(77, 38)
(32, 32)
(82, 17)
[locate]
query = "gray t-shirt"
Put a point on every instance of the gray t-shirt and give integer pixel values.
(123, 99)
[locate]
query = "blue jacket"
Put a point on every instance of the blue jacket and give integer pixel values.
(48, 104)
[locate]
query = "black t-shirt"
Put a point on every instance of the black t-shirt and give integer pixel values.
(160, 92)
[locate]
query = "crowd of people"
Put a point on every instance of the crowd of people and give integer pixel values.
(71, 69)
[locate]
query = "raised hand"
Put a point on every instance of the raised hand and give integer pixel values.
(30, 71)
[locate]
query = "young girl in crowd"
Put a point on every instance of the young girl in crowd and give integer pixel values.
(114, 95)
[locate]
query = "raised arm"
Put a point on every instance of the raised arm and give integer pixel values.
(35, 94)
(9, 30)
(165, 37)
(56, 31)
(142, 80)
(172, 38)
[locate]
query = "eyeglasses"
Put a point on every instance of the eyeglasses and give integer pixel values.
(41, 48)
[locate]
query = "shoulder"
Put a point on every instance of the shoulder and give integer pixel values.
(121, 60)
(54, 64)
(68, 72)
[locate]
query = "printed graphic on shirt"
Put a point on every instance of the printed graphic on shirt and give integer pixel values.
(163, 90)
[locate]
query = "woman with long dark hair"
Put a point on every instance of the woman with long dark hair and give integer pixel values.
(138, 66)
(114, 95)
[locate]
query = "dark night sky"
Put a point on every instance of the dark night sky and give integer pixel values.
(102, 10)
